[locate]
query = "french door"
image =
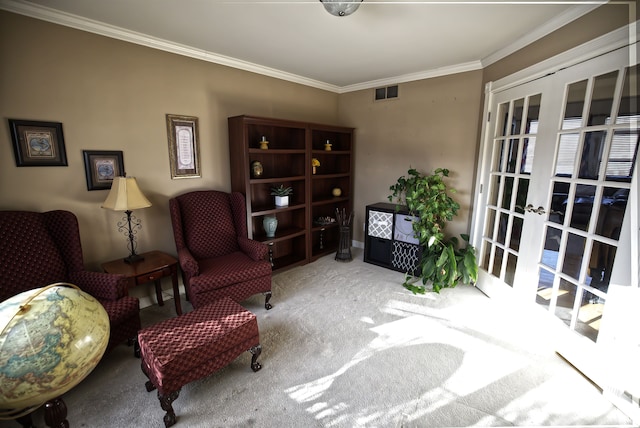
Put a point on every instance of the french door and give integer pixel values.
(557, 181)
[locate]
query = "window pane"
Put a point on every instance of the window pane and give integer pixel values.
(533, 114)
(559, 202)
(582, 206)
(516, 231)
(521, 197)
(497, 262)
(602, 99)
(629, 102)
(622, 154)
(512, 155)
(573, 256)
(551, 247)
(494, 187)
(503, 116)
(518, 110)
(490, 223)
(600, 265)
(526, 164)
(502, 228)
(498, 150)
(566, 298)
(567, 150)
(545, 284)
(575, 103)
(508, 191)
(589, 315)
(612, 207)
(592, 155)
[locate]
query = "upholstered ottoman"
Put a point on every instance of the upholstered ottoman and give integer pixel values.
(194, 345)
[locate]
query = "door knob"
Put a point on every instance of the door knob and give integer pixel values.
(539, 210)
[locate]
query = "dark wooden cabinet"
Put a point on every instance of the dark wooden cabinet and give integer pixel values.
(389, 238)
(287, 160)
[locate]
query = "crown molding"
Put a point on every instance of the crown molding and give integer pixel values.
(43, 13)
(542, 31)
(73, 21)
(429, 74)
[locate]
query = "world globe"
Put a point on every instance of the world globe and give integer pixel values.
(50, 339)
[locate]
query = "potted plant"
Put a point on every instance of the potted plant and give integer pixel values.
(282, 195)
(445, 262)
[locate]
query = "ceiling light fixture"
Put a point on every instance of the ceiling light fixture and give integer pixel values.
(341, 8)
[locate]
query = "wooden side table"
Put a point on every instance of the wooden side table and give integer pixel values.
(155, 266)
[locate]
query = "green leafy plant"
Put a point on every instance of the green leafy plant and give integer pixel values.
(445, 261)
(281, 191)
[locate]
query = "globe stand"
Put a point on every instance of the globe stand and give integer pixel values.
(55, 415)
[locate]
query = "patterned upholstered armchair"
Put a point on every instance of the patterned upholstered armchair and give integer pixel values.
(38, 249)
(216, 257)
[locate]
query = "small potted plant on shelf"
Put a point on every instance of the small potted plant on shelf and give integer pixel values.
(282, 195)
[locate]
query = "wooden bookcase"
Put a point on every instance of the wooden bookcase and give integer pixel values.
(299, 238)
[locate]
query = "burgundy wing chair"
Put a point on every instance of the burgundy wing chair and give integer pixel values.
(38, 249)
(216, 257)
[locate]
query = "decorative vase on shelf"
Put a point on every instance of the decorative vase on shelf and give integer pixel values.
(256, 169)
(327, 146)
(270, 224)
(264, 144)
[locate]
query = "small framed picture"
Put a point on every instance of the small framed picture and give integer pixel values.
(184, 153)
(101, 167)
(38, 143)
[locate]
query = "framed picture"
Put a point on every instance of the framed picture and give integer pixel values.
(184, 153)
(37, 143)
(101, 167)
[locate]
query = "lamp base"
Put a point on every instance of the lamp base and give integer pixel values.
(133, 258)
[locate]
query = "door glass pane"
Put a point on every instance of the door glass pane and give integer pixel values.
(575, 104)
(502, 228)
(573, 255)
(503, 117)
(507, 193)
(628, 110)
(512, 155)
(582, 206)
(622, 154)
(551, 247)
(545, 287)
(526, 164)
(516, 231)
(602, 99)
(498, 155)
(559, 202)
(494, 188)
(491, 218)
(521, 196)
(497, 262)
(518, 110)
(612, 207)
(512, 260)
(486, 250)
(600, 265)
(592, 155)
(567, 150)
(589, 315)
(565, 300)
(533, 114)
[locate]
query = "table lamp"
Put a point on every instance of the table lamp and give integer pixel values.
(51, 338)
(125, 195)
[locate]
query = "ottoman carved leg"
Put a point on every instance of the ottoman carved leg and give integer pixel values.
(256, 351)
(165, 403)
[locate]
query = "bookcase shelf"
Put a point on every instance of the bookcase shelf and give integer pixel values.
(287, 161)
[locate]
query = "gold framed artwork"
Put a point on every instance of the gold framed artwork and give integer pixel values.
(37, 143)
(184, 150)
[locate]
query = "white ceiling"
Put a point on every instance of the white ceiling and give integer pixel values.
(383, 42)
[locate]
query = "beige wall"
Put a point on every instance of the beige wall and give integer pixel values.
(432, 124)
(112, 95)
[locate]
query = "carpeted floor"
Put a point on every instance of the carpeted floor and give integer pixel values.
(346, 346)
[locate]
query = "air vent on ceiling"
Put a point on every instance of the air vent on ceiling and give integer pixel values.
(386, 93)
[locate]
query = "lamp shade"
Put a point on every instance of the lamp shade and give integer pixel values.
(125, 195)
(341, 8)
